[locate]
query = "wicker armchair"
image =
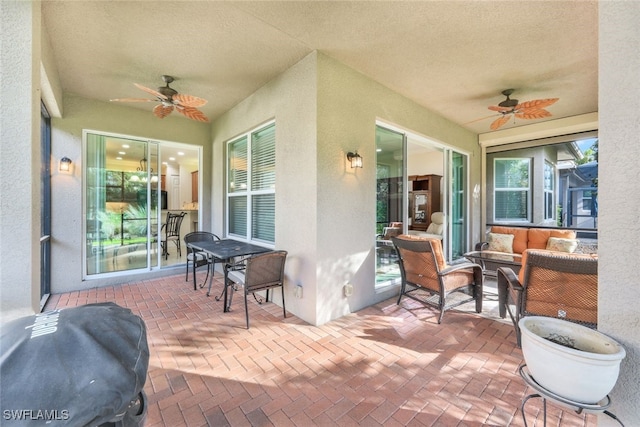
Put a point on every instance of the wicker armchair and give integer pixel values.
(552, 284)
(425, 274)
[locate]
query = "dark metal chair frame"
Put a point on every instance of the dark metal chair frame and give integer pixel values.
(555, 284)
(423, 268)
(198, 258)
(172, 232)
(262, 272)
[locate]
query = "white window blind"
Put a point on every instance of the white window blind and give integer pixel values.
(251, 185)
(511, 189)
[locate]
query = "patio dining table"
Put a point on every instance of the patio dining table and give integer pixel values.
(226, 250)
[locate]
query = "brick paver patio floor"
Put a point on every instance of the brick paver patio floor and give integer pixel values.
(384, 365)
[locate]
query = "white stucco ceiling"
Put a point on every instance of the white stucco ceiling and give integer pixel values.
(452, 57)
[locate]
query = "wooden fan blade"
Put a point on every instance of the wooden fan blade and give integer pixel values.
(536, 104)
(133, 100)
(500, 109)
(499, 122)
(192, 113)
(188, 100)
(533, 114)
(162, 111)
(151, 91)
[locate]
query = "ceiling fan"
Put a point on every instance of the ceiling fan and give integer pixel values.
(529, 110)
(169, 99)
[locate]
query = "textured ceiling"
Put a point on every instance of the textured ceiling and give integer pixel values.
(452, 57)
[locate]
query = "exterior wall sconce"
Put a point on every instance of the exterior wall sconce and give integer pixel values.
(355, 159)
(65, 165)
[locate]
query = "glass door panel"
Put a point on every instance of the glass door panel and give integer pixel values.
(457, 205)
(121, 200)
(390, 202)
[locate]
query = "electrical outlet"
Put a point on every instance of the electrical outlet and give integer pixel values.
(298, 291)
(348, 290)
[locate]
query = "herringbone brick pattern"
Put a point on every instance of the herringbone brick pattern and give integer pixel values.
(385, 365)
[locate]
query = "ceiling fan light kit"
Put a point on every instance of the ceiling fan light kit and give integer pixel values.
(169, 100)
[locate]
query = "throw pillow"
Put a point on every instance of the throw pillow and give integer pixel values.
(562, 245)
(500, 242)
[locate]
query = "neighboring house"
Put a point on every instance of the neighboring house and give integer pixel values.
(516, 195)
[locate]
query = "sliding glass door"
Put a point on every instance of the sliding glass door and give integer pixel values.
(391, 200)
(457, 201)
(404, 160)
(121, 197)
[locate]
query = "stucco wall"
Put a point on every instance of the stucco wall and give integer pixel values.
(325, 211)
(619, 204)
(66, 136)
(19, 156)
(291, 100)
(349, 103)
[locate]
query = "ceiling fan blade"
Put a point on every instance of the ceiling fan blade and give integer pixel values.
(192, 113)
(536, 104)
(162, 111)
(500, 109)
(151, 91)
(533, 114)
(499, 122)
(480, 119)
(133, 100)
(189, 100)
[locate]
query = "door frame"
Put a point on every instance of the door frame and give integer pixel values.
(153, 148)
(412, 137)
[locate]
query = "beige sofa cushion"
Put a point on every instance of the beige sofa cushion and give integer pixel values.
(500, 242)
(562, 245)
(519, 236)
(538, 237)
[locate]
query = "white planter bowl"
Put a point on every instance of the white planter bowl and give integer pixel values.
(585, 373)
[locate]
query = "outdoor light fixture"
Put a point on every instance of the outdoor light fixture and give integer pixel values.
(355, 159)
(65, 164)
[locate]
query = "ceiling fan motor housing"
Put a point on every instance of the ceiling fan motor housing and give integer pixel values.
(167, 91)
(508, 103)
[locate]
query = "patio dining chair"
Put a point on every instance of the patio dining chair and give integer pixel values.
(260, 272)
(198, 258)
(551, 284)
(171, 232)
(427, 278)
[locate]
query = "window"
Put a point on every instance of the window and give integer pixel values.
(512, 189)
(560, 168)
(549, 186)
(251, 181)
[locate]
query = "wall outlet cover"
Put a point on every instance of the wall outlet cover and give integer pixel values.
(348, 290)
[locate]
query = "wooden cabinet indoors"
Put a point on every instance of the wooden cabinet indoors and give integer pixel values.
(194, 186)
(424, 199)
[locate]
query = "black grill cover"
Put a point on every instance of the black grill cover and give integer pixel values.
(71, 367)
